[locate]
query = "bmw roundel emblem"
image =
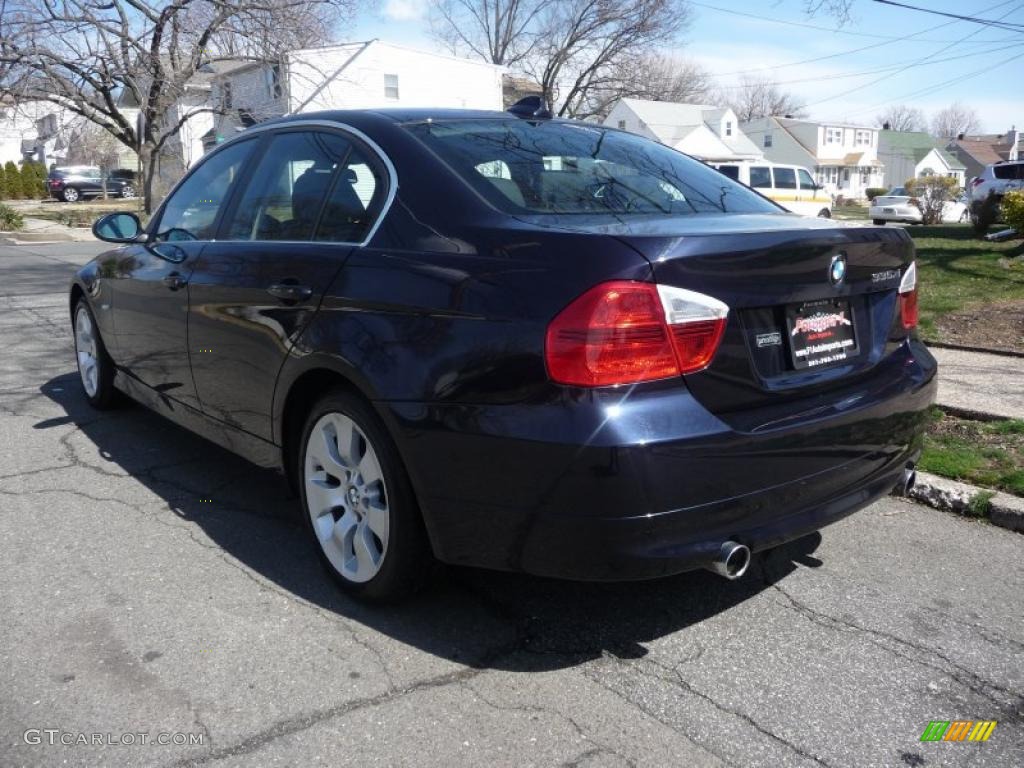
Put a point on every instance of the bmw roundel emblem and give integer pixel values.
(837, 269)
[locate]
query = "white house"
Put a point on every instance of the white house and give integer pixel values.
(366, 75)
(844, 157)
(706, 132)
(910, 154)
(33, 130)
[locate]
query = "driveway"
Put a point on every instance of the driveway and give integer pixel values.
(153, 586)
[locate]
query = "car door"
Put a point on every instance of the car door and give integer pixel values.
(311, 198)
(809, 201)
(150, 306)
(784, 181)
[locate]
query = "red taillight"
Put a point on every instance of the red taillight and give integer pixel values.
(623, 332)
(908, 297)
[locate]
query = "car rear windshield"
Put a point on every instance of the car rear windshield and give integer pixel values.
(559, 167)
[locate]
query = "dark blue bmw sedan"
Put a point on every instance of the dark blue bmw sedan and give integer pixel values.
(503, 340)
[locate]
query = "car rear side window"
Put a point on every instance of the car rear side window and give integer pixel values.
(785, 178)
(760, 176)
(556, 167)
(354, 201)
(191, 211)
(283, 197)
(732, 171)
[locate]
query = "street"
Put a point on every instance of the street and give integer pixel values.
(152, 583)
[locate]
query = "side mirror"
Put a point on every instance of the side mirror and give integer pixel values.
(118, 227)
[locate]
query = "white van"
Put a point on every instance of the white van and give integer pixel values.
(791, 186)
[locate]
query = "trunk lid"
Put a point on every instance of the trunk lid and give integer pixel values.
(774, 273)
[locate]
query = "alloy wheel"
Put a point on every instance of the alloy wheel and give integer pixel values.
(70, 194)
(128, 191)
(346, 497)
(87, 351)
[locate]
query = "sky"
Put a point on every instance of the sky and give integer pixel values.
(883, 55)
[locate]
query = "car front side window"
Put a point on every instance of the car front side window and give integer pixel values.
(191, 211)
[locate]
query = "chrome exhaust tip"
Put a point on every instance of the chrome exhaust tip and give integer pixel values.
(907, 481)
(732, 561)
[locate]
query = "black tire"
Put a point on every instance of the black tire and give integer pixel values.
(406, 561)
(70, 195)
(878, 222)
(105, 395)
(824, 213)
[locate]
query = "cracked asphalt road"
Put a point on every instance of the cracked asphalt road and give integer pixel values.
(131, 605)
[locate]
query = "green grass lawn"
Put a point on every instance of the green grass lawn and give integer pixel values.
(958, 271)
(850, 212)
(985, 453)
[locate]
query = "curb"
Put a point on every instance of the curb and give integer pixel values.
(1004, 510)
(979, 350)
(22, 238)
(970, 414)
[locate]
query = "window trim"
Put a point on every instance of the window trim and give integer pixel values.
(258, 131)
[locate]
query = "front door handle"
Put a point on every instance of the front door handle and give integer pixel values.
(290, 292)
(174, 281)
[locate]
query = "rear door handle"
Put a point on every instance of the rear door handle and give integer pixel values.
(174, 281)
(290, 292)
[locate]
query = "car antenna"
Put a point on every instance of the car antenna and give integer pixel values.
(531, 106)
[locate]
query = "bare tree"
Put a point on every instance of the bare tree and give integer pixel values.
(901, 117)
(89, 144)
(577, 50)
(656, 77)
(955, 119)
(106, 61)
(499, 31)
(760, 97)
(840, 10)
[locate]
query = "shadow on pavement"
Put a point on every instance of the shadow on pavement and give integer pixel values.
(480, 618)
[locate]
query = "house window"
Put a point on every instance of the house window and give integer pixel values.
(274, 81)
(622, 125)
(390, 86)
(728, 128)
(863, 139)
(865, 176)
(829, 175)
(767, 140)
(833, 135)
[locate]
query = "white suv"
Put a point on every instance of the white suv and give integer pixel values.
(986, 191)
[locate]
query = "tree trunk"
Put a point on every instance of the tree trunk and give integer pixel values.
(147, 164)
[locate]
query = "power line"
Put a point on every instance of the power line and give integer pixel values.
(888, 41)
(819, 27)
(997, 23)
(919, 61)
(903, 65)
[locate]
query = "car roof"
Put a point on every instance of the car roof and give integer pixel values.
(392, 115)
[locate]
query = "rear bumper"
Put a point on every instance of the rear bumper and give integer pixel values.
(613, 485)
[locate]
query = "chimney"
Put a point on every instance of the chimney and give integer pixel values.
(886, 126)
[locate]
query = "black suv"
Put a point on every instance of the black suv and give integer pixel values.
(74, 182)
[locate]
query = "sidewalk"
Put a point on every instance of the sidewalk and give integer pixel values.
(46, 231)
(979, 382)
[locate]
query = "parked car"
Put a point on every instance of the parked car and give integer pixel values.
(74, 182)
(898, 206)
(986, 191)
(791, 186)
(513, 342)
